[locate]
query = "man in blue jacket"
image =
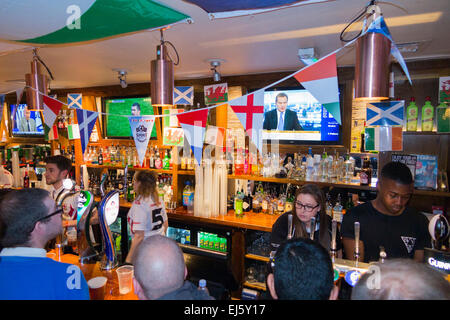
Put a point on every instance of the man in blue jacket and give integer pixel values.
(29, 218)
(281, 118)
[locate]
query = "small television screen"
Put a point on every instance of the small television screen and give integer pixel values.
(119, 127)
(25, 122)
(305, 119)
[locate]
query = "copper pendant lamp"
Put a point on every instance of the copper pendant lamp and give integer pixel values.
(162, 77)
(372, 64)
(36, 85)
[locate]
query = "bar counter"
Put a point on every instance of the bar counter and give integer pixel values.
(93, 270)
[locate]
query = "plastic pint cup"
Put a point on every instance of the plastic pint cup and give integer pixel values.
(97, 288)
(125, 277)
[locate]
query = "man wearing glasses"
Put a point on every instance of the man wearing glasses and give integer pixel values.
(29, 218)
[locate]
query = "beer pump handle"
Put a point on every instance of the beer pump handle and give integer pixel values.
(333, 239)
(312, 228)
(357, 230)
(289, 235)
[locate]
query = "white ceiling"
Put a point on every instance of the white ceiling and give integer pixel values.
(262, 43)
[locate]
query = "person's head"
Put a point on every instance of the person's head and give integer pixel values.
(281, 100)
(402, 279)
(159, 267)
(145, 185)
(135, 109)
(29, 218)
(395, 187)
(27, 113)
(302, 270)
(56, 169)
(309, 200)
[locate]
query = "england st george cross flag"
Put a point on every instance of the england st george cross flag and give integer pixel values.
(389, 113)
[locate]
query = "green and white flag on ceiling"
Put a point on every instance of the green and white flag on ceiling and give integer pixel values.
(71, 21)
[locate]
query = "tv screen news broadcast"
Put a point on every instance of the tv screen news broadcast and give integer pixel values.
(119, 127)
(305, 120)
(25, 122)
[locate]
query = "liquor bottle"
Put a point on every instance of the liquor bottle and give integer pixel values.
(337, 210)
(246, 161)
(190, 162)
(183, 163)
(289, 206)
(100, 157)
(309, 166)
(238, 204)
(348, 170)
(158, 161)
(328, 206)
(26, 179)
(130, 192)
(349, 204)
(427, 115)
(166, 161)
(365, 176)
(412, 114)
(239, 164)
(247, 204)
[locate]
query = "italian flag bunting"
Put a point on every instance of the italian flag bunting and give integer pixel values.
(320, 79)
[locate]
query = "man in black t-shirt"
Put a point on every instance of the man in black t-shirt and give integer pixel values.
(386, 221)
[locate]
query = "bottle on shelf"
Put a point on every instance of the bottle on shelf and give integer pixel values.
(166, 161)
(238, 204)
(365, 176)
(412, 115)
(26, 178)
(188, 196)
(328, 206)
(247, 203)
(100, 157)
(337, 210)
(427, 115)
(239, 164)
(158, 161)
(349, 203)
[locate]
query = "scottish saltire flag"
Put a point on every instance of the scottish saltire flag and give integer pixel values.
(183, 95)
(379, 26)
(320, 79)
(86, 121)
(68, 21)
(250, 111)
(141, 128)
(389, 113)
(194, 127)
(227, 9)
(51, 110)
(75, 100)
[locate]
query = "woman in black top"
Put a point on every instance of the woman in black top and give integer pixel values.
(309, 203)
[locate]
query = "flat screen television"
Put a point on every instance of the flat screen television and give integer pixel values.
(307, 122)
(25, 123)
(119, 127)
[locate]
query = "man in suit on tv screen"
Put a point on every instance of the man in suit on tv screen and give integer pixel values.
(281, 118)
(27, 124)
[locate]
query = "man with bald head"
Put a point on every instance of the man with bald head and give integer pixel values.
(160, 272)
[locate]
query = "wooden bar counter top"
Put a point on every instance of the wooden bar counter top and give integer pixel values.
(93, 270)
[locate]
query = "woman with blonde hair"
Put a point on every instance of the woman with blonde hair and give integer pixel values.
(147, 215)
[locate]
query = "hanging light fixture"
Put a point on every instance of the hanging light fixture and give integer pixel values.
(37, 84)
(216, 74)
(162, 77)
(372, 62)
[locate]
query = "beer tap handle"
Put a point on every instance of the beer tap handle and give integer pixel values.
(333, 239)
(357, 252)
(102, 185)
(289, 235)
(383, 254)
(312, 228)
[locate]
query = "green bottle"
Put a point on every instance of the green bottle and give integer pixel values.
(412, 114)
(443, 117)
(166, 161)
(427, 115)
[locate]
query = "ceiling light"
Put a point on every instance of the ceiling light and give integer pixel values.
(122, 76)
(214, 64)
(372, 62)
(162, 77)
(408, 47)
(36, 84)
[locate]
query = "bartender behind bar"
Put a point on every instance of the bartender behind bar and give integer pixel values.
(387, 225)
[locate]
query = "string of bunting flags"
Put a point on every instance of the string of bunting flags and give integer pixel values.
(319, 78)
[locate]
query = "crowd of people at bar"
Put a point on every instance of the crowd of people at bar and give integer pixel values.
(300, 269)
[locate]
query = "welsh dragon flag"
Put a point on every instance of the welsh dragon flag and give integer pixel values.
(194, 127)
(320, 79)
